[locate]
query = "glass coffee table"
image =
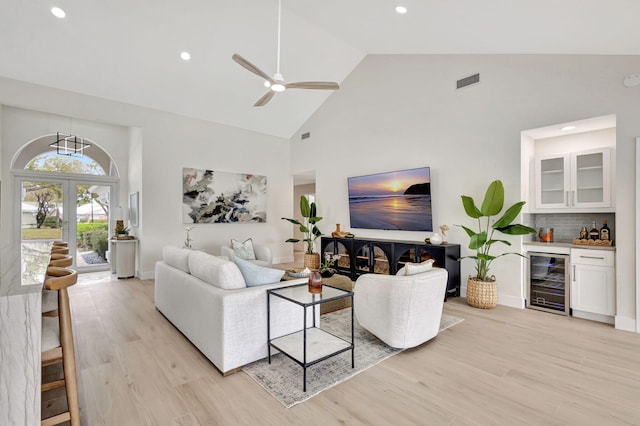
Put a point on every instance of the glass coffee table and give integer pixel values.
(310, 345)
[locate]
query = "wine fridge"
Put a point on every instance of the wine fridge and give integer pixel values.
(549, 282)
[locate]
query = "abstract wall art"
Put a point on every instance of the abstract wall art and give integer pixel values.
(222, 197)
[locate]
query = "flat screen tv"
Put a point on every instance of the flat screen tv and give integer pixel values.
(398, 200)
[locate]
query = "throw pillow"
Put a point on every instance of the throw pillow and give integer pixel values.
(177, 257)
(215, 271)
(255, 275)
(244, 250)
(418, 268)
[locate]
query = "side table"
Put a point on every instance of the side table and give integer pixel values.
(123, 257)
(310, 345)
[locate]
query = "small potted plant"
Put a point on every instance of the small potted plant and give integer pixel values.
(310, 231)
(326, 269)
(482, 290)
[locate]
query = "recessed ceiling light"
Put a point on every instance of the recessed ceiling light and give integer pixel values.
(567, 128)
(401, 10)
(185, 56)
(57, 12)
(267, 84)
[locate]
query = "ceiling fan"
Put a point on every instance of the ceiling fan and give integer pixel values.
(277, 82)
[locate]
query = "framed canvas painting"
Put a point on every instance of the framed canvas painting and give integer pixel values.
(221, 197)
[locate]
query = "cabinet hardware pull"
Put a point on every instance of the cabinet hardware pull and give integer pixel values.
(574, 273)
(592, 257)
(566, 198)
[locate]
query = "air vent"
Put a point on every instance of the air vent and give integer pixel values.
(305, 136)
(468, 81)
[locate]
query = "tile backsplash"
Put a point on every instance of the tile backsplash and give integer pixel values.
(566, 226)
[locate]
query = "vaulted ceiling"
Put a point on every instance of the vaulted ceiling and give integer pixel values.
(129, 51)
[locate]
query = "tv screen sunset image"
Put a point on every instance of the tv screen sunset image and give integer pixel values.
(396, 200)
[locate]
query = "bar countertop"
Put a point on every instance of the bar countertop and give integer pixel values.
(569, 245)
(25, 270)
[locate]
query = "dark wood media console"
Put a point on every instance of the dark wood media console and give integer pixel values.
(367, 255)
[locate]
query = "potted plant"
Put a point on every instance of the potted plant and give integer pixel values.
(310, 231)
(326, 269)
(482, 291)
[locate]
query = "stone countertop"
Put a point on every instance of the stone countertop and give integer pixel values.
(568, 245)
(25, 269)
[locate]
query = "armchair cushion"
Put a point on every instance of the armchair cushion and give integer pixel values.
(418, 268)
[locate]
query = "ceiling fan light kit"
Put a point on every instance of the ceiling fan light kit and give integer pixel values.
(277, 83)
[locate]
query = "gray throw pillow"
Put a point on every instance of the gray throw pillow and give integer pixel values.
(255, 275)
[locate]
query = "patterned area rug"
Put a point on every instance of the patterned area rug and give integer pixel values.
(283, 377)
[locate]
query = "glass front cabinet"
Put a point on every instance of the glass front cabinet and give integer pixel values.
(574, 181)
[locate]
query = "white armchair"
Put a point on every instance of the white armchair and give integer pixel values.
(402, 311)
(263, 254)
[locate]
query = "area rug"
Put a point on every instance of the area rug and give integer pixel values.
(283, 377)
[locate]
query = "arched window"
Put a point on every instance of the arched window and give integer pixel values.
(54, 162)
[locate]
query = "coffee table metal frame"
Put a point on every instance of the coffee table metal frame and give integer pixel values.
(296, 345)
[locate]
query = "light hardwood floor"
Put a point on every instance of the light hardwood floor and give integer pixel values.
(502, 366)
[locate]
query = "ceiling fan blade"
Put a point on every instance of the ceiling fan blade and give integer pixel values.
(321, 85)
(248, 65)
(266, 98)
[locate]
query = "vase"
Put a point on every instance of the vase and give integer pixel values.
(435, 239)
(482, 294)
(312, 260)
(315, 282)
(337, 232)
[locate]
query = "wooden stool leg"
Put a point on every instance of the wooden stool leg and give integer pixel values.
(68, 357)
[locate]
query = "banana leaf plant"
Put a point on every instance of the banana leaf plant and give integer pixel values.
(483, 240)
(308, 226)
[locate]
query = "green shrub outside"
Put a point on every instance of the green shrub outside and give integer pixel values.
(50, 222)
(93, 236)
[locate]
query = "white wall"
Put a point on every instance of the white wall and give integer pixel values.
(398, 112)
(150, 149)
(575, 142)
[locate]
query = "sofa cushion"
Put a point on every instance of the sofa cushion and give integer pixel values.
(417, 268)
(255, 275)
(215, 271)
(243, 250)
(177, 257)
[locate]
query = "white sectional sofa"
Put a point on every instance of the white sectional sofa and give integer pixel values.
(205, 297)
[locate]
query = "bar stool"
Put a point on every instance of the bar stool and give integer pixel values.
(50, 297)
(59, 250)
(60, 260)
(60, 244)
(57, 345)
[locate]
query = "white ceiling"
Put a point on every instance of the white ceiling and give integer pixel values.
(128, 50)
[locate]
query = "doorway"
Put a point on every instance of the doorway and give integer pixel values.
(72, 209)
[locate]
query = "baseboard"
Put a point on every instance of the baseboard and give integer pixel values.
(626, 324)
(593, 317)
(512, 301)
(505, 300)
(148, 275)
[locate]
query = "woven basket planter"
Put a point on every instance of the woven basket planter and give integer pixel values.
(482, 294)
(312, 260)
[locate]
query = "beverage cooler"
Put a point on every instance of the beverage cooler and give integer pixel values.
(548, 288)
